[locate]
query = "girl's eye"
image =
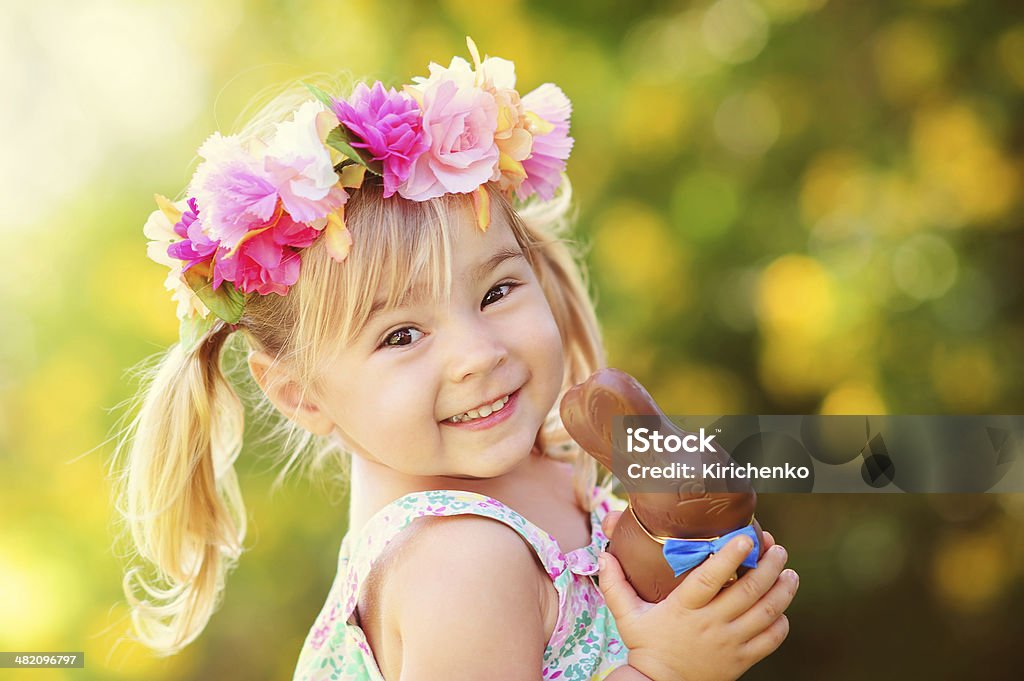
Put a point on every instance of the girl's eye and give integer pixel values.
(399, 337)
(497, 293)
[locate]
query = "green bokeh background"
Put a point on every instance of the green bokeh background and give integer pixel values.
(790, 206)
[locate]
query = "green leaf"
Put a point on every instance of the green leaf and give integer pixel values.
(191, 330)
(226, 302)
(324, 98)
(339, 139)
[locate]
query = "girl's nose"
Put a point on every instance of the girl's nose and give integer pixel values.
(475, 348)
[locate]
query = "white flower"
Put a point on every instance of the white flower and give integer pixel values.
(160, 232)
(299, 164)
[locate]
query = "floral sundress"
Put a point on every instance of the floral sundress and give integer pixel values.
(584, 646)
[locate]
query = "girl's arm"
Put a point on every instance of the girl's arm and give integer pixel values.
(465, 598)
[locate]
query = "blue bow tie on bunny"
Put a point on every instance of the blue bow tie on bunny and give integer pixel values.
(686, 554)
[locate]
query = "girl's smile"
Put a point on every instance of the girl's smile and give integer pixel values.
(486, 415)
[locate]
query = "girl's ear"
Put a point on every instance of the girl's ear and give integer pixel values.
(286, 394)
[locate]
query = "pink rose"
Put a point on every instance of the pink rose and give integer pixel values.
(268, 261)
(459, 122)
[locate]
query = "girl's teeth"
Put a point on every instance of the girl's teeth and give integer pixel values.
(482, 412)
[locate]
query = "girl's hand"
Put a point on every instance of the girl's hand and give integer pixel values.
(700, 632)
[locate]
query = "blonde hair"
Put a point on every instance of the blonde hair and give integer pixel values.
(179, 492)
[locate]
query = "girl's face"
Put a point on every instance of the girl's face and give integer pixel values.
(400, 393)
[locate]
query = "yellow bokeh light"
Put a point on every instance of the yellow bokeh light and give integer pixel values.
(924, 266)
(909, 59)
(794, 368)
(791, 366)
(971, 571)
(636, 255)
(837, 182)
(958, 160)
(796, 298)
(654, 120)
(855, 396)
(735, 31)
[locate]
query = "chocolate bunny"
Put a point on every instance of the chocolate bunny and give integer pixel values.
(697, 509)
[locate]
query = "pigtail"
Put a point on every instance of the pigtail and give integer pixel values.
(180, 496)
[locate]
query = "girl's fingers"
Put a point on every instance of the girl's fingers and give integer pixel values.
(707, 579)
(769, 540)
(618, 593)
(768, 641)
(767, 610)
(749, 589)
(609, 522)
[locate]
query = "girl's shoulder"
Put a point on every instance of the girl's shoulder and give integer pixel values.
(420, 529)
(429, 552)
(436, 574)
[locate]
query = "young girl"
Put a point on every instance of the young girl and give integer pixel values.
(400, 309)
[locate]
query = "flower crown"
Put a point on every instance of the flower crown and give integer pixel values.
(253, 205)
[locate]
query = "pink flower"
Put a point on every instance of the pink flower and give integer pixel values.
(232, 188)
(459, 122)
(195, 247)
(267, 260)
(547, 160)
(389, 125)
(497, 76)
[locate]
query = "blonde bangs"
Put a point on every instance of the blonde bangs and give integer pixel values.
(401, 253)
